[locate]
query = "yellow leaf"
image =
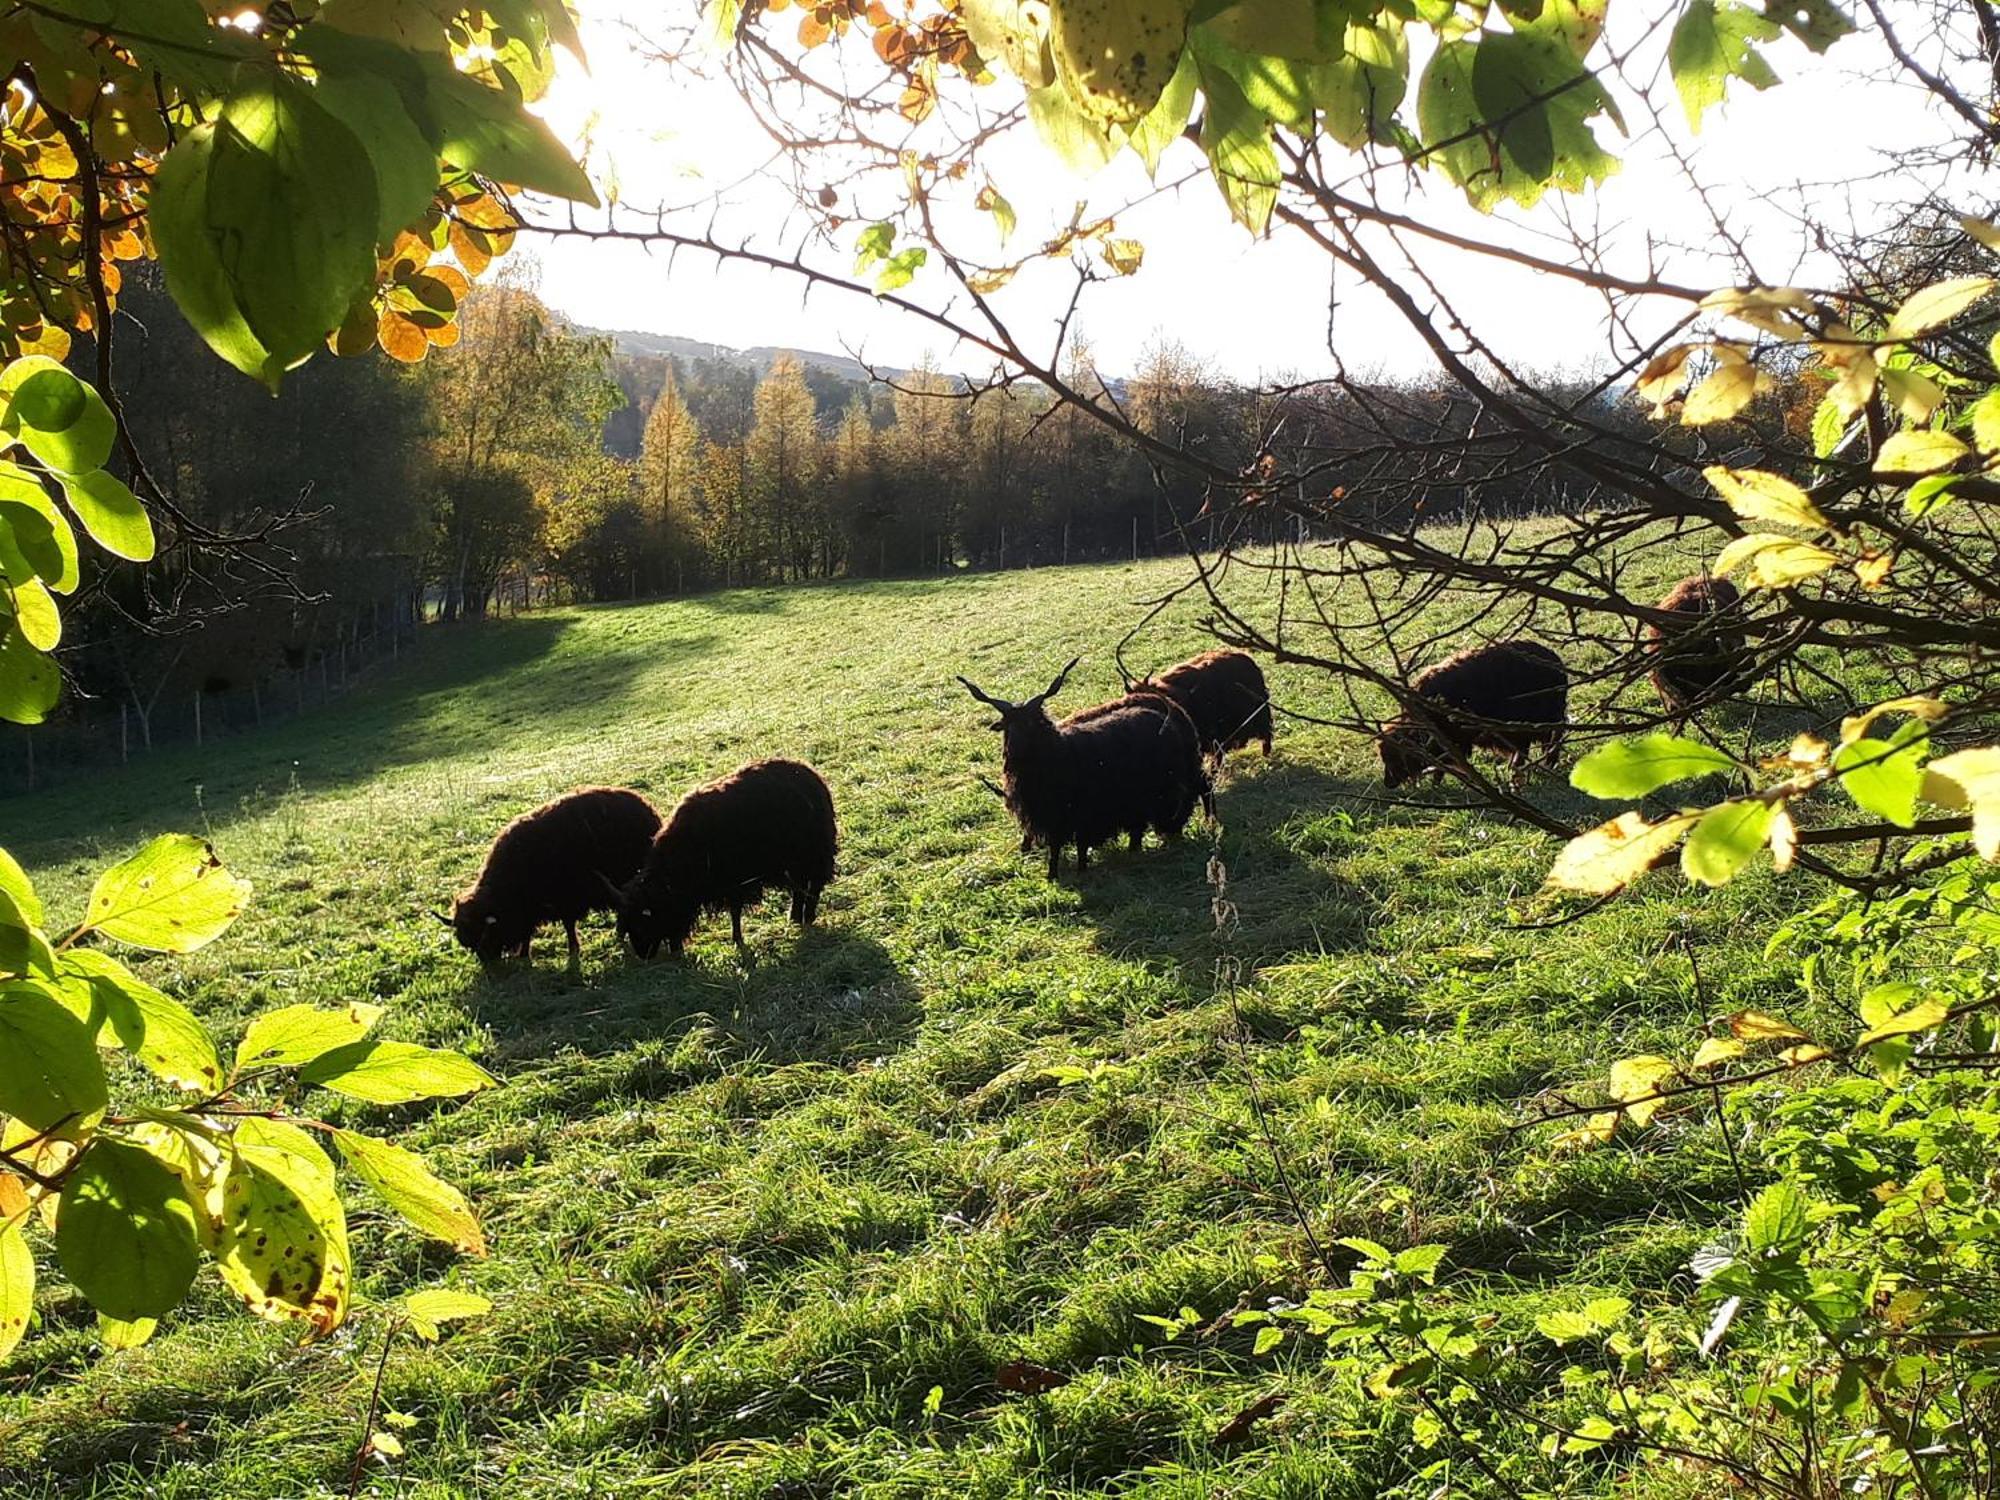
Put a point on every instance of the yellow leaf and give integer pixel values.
(984, 282)
(1613, 855)
(1937, 303)
(1930, 710)
(1662, 379)
(1805, 1052)
(1807, 750)
(1760, 1026)
(1873, 568)
(1975, 774)
(1716, 1050)
(1919, 451)
(1784, 837)
(1596, 1130)
(13, 1199)
(1759, 496)
(1721, 396)
(1124, 256)
(1919, 1017)
(1774, 309)
(386, 1443)
(1634, 1080)
(1776, 561)
(1916, 396)
(1857, 381)
(1983, 230)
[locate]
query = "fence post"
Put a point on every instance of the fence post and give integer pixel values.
(1135, 538)
(29, 735)
(124, 738)
(256, 703)
(197, 716)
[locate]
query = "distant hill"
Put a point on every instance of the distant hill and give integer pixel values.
(633, 343)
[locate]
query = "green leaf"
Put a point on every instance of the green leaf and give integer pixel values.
(484, 131)
(407, 1185)
(299, 1033)
(427, 1309)
(1828, 427)
(23, 945)
(125, 1333)
(155, 1028)
(1359, 95)
(1776, 1220)
(35, 613)
(1986, 422)
(125, 1232)
(1159, 129)
(264, 217)
(29, 682)
(1724, 840)
(1297, 30)
(14, 881)
(1879, 1010)
(1634, 767)
(1507, 117)
(112, 514)
(173, 896)
(17, 1286)
(57, 417)
(395, 1072)
(1276, 87)
(1420, 1260)
(1884, 776)
(281, 1236)
(355, 84)
(50, 1075)
(898, 270)
(1712, 44)
(1237, 139)
(1081, 143)
(1268, 1338)
(1929, 494)
(41, 532)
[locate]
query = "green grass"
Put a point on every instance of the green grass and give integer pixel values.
(766, 1224)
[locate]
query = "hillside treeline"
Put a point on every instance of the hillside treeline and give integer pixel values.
(525, 462)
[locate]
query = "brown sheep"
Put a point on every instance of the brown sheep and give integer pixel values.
(1118, 767)
(1703, 656)
(770, 823)
(1224, 693)
(551, 865)
(1508, 697)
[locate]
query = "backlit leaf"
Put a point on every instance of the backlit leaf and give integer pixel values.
(1644, 763)
(1936, 304)
(282, 1236)
(408, 1186)
(1776, 561)
(125, 1232)
(159, 1031)
(1758, 1026)
(297, 1034)
(58, 418)
(395, 1072)
(1919, 451)
(1635, 1080)
(1613, 855)
(1758, 496)
(1716, 1050)
(427, 1309)
(173, 896)
(1724, 840)
(17, 1287)
(1884, 776)
(1237, 138)
(1710, 45)
(1970, 779)
(1721, 396)
(50, 1075)
(1776, 1220)
(112, 514)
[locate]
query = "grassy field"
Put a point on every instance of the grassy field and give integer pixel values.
(767, 1224)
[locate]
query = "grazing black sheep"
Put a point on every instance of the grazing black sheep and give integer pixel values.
(1118, 767)
(1224, 693)
(1508, 697)
(769, 823)
(1703, 655)
(551, 865)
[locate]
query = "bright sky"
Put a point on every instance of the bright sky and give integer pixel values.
(1253, 309)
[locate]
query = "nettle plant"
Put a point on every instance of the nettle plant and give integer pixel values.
(133, 1152)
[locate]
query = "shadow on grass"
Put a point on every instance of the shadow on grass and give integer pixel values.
(827, 994)
(443, 702)
(1284, 893)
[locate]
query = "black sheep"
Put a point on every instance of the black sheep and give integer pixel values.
(1508, 697)
(1118, 767)
(1703, 655)
(551, 865)
(1224, 693)
(769, 823)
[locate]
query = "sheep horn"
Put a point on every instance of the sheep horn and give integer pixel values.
(433, 911)
(987, 698)
(987, 782)
(1056, 686)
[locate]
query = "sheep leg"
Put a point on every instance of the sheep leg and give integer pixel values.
(736, 923)
(1267, 747)
(1082, 856)
(1135, 837)
(1055, 860)
(575, 948)
(799, 905)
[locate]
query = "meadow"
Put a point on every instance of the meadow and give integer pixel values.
(770, 1223)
